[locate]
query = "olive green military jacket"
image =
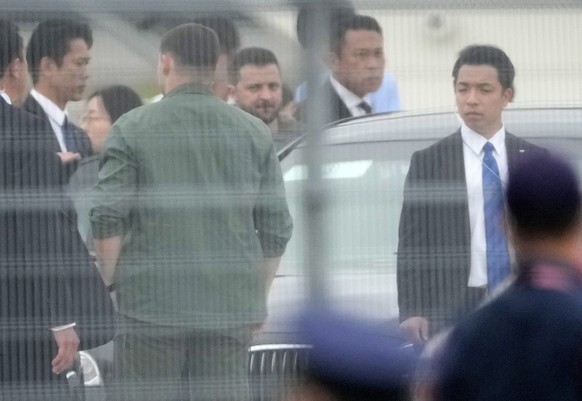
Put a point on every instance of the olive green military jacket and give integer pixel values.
(194, 188)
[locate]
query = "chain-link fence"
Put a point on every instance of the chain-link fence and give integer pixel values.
(287, 156)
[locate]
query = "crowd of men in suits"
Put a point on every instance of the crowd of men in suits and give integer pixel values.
(451, 254)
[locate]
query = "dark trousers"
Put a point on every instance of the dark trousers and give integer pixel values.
(26, 371)
(150, 362)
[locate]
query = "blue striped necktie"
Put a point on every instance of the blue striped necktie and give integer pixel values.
(497, 252)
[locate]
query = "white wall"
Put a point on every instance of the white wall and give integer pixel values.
(544, 46)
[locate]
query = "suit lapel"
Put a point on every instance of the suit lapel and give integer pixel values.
(515, 150)
(32, 106)
(452, 161)
(4, 116)
(338, 108)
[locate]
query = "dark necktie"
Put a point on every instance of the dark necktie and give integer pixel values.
(366, 107)
(496, 241)
(69, 136)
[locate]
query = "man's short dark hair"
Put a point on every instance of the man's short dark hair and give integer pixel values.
(487, 55)
(250, 56)
(117, 100)
(350, 23)
(227, 33)
(192, 45)
(543, 196)
(11, 46)
(52, 38)
(340, 9)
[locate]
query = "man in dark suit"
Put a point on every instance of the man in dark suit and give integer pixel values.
(385, 99)
(357, 64)
(452, 247)
(58, 56)
(526, 344)
(46, 277)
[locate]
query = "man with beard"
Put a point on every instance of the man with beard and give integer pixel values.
(257, 88)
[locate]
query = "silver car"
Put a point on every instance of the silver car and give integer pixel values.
(364, 163)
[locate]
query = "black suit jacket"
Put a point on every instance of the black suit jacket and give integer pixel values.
(46, 275)
(81, 138)
(338, 109)
(434, 248)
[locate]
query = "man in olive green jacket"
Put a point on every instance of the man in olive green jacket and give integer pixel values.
(190, 221)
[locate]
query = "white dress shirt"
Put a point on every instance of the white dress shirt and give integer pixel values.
(5, 96)
(350, 99)
(473, 157)
(55, 114)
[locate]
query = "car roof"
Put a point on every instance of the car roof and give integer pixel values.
(529, 122)
(562, 122)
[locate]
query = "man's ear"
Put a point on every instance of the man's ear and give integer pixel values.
(167, 63)
(46, 66)
(15, 68)
(508, 95)
(232, 92)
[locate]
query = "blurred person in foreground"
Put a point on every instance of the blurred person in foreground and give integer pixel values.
(46, 278)
(257, 88)
(102, 109)
(452, 248)
(58, 56)
(190, 220)
(352, 359)
(527, 344)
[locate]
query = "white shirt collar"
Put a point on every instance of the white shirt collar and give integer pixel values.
(349, 98)
(5, 96)
(49, 107)
(476, 141)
